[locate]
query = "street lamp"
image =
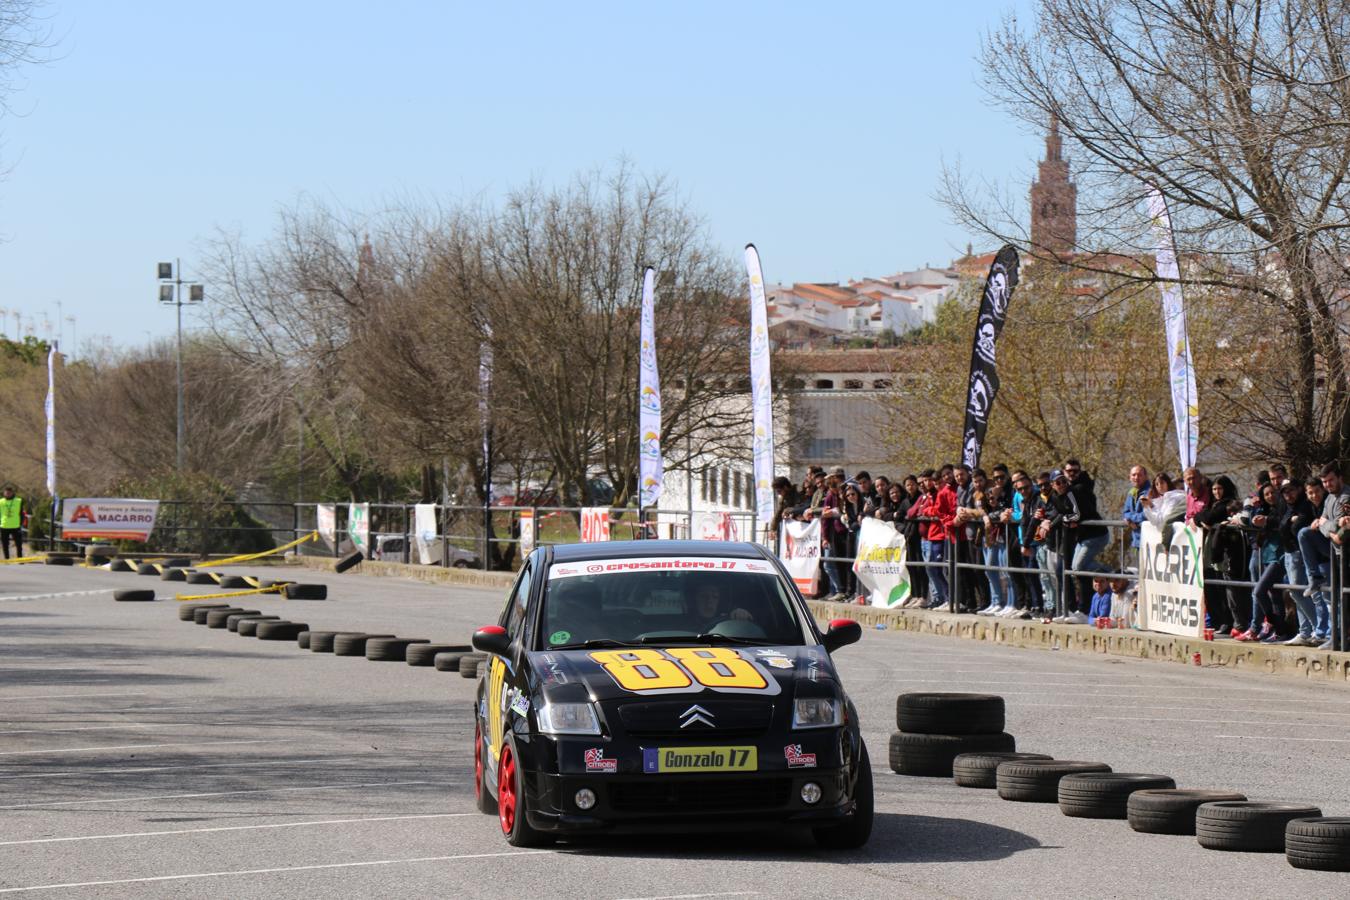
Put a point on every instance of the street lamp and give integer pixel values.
(171, 285)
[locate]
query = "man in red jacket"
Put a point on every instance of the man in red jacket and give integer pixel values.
(940, 508)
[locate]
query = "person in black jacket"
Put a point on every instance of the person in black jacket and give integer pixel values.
(1267, 545)
(1059, 529)
(1089, 540)
(1224, 557)
(1297, 513)
(903, 499)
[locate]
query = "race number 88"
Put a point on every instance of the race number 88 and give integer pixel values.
(653, 670)
(718, 667)
(642, 670)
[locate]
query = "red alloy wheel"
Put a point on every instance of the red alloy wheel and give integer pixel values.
(477, 762)
(506, 790)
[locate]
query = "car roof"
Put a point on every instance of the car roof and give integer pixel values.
(627, 549)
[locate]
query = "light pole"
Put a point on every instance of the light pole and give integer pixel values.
(171, 292)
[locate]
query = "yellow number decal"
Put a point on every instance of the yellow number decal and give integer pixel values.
(642, 670)
(496, 684)
(718, 667)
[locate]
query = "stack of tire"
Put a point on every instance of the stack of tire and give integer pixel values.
(936, 728)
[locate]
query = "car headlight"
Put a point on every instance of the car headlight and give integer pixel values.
(567, 718)
(817, 712)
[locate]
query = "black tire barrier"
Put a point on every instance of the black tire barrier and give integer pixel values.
(147, 569)
(234, 582)
(294, 591)
(349, 561)
(1037, 780)
(178, 562)
(187, 610)
(979, 770)
(322, 641)
(353, 643)
(933, 754)
(133, 596)
(280, 630)
(1250, 826)
(1105, 795)
(173, 575)
(58, 560)
(248, 625)
(470, 663)
(1171, 811)
(947, 713)
(200, 578)
(394, 649)
(199, 615)
(302, 640)
(220, 618)
(425, 654)
(1320, 842)
(98, 554)
(120, 565)
(449, 662)
(233, 619)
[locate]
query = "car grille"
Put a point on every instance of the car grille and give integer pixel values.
(699, 794)
(730, 718)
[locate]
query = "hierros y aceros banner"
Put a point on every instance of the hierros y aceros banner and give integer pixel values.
(761, 391)
(1171, 581)
(801, 554)
(880, 563)
(107, 518)
(424, 533)
(998, 289)
(650, 467)
(1181, 374)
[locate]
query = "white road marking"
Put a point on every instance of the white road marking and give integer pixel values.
(123, 770)
(105, 727)
(79, 696)
(51, 596)
(1189, 721)
(1255, 737)
(135, 834)
(320, 787)
(138, 747)
(692, 896)
(347, 865)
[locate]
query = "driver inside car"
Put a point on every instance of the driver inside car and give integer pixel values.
(707, 607)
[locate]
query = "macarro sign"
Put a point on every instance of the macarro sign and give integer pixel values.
(108, 518)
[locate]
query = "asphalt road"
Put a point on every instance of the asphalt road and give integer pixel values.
(144, 756)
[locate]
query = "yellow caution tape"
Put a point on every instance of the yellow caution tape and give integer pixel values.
(274, 589)
(312, 536)
(22, 559)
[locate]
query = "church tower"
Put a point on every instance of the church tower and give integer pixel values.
(1054, 200)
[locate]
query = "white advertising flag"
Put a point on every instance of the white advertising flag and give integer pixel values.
(326, 516)
(880, 563)
(650, 466)
(801, 554)
(51, 421)
(358, 527)
(1181, 374)
(761, 390)
(424, 527)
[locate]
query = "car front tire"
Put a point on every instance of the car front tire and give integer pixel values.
(485, 802)
(853, 832)
(512, 802)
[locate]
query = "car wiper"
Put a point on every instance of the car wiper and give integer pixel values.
(707, 638)
(594, 644)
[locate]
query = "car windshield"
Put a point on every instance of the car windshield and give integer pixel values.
(668, 600)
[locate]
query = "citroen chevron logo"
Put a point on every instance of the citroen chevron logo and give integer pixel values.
(698, 714)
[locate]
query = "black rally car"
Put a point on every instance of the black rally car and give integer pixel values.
(665, 685)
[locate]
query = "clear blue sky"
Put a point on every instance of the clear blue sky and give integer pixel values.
(816, 132)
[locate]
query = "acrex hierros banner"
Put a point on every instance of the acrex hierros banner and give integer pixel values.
(109, 518)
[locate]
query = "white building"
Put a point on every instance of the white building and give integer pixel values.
(808, 314)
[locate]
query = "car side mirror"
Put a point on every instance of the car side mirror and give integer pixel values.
(494, 639)
(841, 633)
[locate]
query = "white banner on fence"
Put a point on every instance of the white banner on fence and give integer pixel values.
(526, 532)
(880, 563)
(761, 391)
(358, 526)
(424, 532)
(714, 526)
(594, 524)
(1171, 581)
(801, 553)
(650, 466)
(326, 516)
(1181, 374)
(108, 518)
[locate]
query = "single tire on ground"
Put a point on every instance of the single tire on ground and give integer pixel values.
(1320, 842)
(933, 754)
(248, 625)
(147, 569)
(100, 553)
(173, 575)
(220, 618)
(302, 640)
(949, 713)
(449, 662)
(120, 565)
(199, 614)
(58, 560)
(233, 619)
(349, 561)
(200, 578)
(1037, 780)
(1106, 795)
(280, 630)
(322, 641)
(978, 770)
(425, 654)
(394, 649)
(353, 643)
(295, 591)
(133, 596)
(1171, 811)
(234, 582)
(185, 612)
(178, 562)
(1251, 826)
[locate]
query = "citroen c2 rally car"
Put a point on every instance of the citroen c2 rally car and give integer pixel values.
(665, 686)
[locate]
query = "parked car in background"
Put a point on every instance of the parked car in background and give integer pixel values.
(389, 547)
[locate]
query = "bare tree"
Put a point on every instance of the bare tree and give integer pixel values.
(1239, 113)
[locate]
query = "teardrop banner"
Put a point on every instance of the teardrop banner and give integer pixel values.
(998, 290)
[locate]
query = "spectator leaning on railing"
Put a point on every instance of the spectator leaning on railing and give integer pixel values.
(1136, 502)
(1314, 542)
(1091, 540)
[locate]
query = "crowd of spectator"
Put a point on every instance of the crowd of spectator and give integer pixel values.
(1265, 551)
